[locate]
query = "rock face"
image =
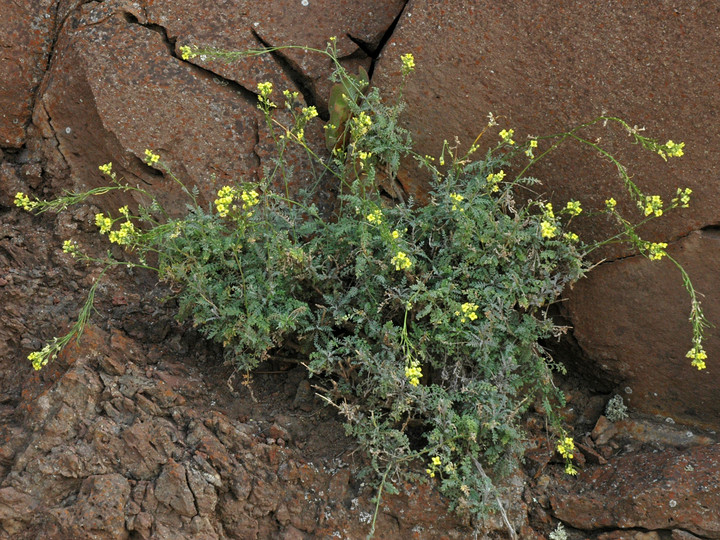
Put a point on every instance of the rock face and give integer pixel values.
(642, 339)
(655, 491)
(25, 40)
(114, 447)
(126, 437)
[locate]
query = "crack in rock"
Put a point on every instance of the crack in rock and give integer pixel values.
(304, 84)
(170, 42)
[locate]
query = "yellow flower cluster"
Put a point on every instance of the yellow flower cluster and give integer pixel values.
(468, 311)
(610, 204)
(656, 250)
(529, 150)
(41, 358)
(308, 113)
(413, 372)
(228, 194)
(151, 158)
(571, 236)
(493, 179)
(125, 235)
(683, 197)
(69, 247)
(250, 198)
(375, 216)
(698, 357)
(506, 136)
(653, 205)
(671, 149)
(24, 202)
(187, 52)
(361, 124)
(401, 261)
(408, 63)
(435, 462)
(107, 169)
(547, 229)
(566, 447)
(573, 208)
(264, 90)
(457, 199)
(103, 222)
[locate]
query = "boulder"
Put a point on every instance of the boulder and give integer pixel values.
(650, 491)
(553, 66)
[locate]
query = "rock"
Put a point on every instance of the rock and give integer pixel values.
(99, 511)
(678, 534)
(16, 510)
(603, 431)
(643, 341)
(25, 40)
(651, 491)
(171, 489)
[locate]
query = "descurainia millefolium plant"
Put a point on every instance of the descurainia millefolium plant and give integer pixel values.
(421, 324)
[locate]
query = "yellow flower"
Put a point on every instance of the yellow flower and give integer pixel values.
(395, 234)
(106, 168)
(309, 113)
(187, 52)
(401, 261)
(361, 125)
(566, 447)
(457, 199)
(683, 196)
(69, 247)
(467, 311)
(125, 235)
(653, 205)
(698, 357)
(493, 179)
(151, 158)
(610, 204)
(104, 223)
(24, 202)
(656, 251)
(264, 90)
(408, 63)
(413, 372)
(506, 135)
(571, 236)
(671, 149)
(436, 461)
(573, 208)
(375, 216)
(547, 229)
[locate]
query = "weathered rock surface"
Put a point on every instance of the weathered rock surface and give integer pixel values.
(642, 342)
(555, 65)
(650, 491)
(115, 455)
(25, 41)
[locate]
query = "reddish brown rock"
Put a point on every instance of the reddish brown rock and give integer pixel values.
(25, 40)
(650, 491)
(99, 511)
(171, 489)
(631, 319)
